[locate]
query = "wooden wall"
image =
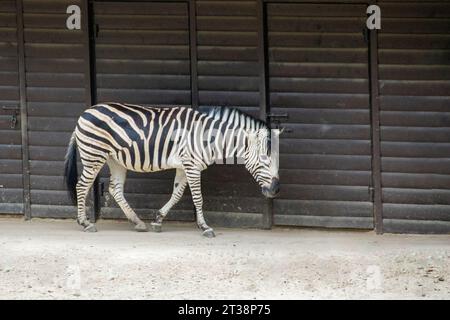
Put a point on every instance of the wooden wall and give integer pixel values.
(414, 64)
(11, 183)
(55, 94)
(318, 70)
(319, 75)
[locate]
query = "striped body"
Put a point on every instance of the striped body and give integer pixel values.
(133, 136)
(149, 139)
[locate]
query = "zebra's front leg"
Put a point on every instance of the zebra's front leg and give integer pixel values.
(179, 184)
(116, 189)
(194, 181)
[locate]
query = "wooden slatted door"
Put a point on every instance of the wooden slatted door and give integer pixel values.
(142, 57)
(318, 74)
(11, 191)
(56, 96)
(414, 58)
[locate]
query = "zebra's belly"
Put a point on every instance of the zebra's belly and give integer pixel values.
(133, 160)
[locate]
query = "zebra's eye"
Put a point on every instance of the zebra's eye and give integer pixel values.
(264, 158)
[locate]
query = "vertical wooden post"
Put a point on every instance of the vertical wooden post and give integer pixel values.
(88, 52)
(375, 124)
(23, 110)
(193, 52)
(264, 98)
(192, 12)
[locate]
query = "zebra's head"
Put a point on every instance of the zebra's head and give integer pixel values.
(261, 160)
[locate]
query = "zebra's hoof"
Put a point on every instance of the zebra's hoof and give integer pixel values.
(141, 227)
(156, 227)
(209, 233)
(90, 228)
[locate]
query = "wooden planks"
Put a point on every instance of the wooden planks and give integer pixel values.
(142, 53)
(11, 184)
(414, 85)
(227, 54)
(56, 95)
(318, 74)
(318, 68)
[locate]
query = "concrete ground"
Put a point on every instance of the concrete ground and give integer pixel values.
(53, 259)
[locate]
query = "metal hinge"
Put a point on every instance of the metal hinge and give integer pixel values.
(277, 118)
(365, 33)
(371, 194)
(14, 119)
(93, 31)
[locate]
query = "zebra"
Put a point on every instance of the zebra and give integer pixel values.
(150, 139)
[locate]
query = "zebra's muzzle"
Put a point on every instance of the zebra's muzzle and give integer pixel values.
(273, 190)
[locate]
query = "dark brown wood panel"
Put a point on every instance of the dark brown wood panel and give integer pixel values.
(227, 54)
(318, 74)
(11, 184)
(56, 96)
(414, 83)
(146, 63)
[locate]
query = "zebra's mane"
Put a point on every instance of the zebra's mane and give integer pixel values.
(228, 113)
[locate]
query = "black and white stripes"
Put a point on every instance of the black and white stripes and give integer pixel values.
(149, 139)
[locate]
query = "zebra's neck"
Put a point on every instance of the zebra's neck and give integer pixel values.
(229, 148)
(226, 131)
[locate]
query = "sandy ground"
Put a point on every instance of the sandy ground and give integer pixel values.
(53, 259)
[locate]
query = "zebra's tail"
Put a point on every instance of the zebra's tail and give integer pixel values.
(70, 169)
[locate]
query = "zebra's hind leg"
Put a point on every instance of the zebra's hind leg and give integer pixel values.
(90, 172)
(179, 185)
(194, 179)
(116, 188)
